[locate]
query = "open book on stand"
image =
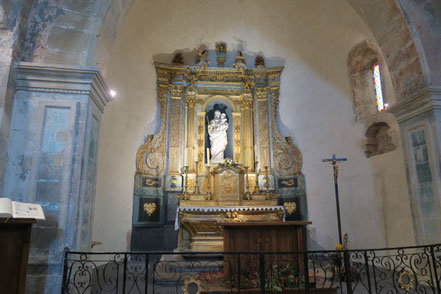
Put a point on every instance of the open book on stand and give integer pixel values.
(13, 209)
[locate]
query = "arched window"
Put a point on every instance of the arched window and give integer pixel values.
(370, 81)
(377, 87)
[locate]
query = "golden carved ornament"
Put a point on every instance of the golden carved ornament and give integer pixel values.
(261, 93)
(288, 183)
(228, 185)
(176, 90)
(219, 92)
(290, 207)
(406, 280)
(150, 182)
(192, 80)
(247, 103)
(149, 208)
(150, 158)
(200, 141)
(230, 217)
(191, 286)
(190, 185)
(190, 101)
(287, 157)
(236, 136)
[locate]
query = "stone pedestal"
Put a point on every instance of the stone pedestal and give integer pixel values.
(52, 157)
(419, 117)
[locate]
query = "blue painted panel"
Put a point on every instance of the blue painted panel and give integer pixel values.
(90, 179)
(424, 190)
(52, 148)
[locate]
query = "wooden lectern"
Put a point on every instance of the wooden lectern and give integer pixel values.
(15, 235)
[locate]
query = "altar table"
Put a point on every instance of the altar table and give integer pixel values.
(202, 222)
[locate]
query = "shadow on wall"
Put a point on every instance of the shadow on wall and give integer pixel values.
(189, 56)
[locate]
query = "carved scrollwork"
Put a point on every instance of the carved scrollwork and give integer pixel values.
(150, 158)
(287, 157)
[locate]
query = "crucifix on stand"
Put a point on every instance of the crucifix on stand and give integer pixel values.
(335, 162)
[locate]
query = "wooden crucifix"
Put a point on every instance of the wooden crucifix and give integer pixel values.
(335, 162)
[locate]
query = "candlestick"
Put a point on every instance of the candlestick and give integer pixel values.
(256, 186)
(209, 183)
(208, 156)
(186, 183)
(247, 193)
(255, 156)
(196, 188)
(267, 194)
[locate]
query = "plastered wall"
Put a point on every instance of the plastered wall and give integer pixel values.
(312, 40)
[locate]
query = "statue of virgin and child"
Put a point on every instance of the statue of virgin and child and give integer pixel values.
(217, 130)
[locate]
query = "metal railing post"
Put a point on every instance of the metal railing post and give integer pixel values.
(436, 285)
(64, 280)
(146, 273)
(347, 268)
(306, 271)
(124, 273)
(262, 272)
(366, 264)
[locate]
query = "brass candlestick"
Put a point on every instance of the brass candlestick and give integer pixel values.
(196, 185)
(267, 194)
(256, 186)
(186, 183)
(247, 193)
(209, 182)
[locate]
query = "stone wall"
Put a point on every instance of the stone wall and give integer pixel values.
(316, 108)
(13, 27)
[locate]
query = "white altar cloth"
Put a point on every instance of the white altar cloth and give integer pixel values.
(223, 208)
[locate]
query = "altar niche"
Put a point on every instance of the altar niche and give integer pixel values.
(222, 107)
(260, 179)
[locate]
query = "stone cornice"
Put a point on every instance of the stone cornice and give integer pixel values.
(86, 80)
(424, 100)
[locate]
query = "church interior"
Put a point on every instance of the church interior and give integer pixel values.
(161, 125)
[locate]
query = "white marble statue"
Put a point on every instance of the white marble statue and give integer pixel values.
(217, 129)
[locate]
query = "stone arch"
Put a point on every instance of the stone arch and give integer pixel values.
(379, 139)
(361, 60)
(382, 133)
(228, 100)
(74, 32)
(400, 45)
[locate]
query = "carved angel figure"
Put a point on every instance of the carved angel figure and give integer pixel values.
(239, 62)
(202, 60)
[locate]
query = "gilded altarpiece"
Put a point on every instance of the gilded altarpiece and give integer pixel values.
(176, 186)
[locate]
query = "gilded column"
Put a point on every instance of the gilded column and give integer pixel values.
(201, 140)
(236, 135)
(174, 164)
(248, 159)
(190, 102)
(263, 131)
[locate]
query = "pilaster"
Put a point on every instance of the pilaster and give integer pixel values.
(190, 103)
(175, 130)
(52, 157)
(263, 130)
(419, 117)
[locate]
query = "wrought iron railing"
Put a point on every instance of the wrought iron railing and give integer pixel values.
(391, 270)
